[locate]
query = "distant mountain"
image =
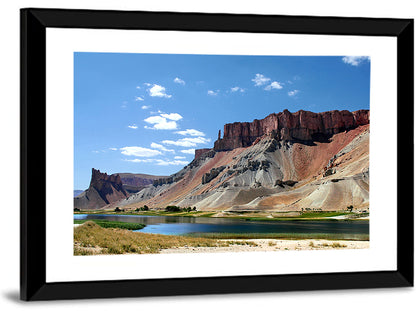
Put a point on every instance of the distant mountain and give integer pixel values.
(77, 192)
(108, 189)
(103, 190)
(135, 182)
(284, 162)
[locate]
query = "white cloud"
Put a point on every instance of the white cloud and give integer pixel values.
(145, 107)
(171, 162)
(260, 80)
(138, 87)
(293, 93)
(273, 85)
(138, 98)
(237, 89)
(188, 151)
(139, 151)
(172, 116)
(179, 81)
(187, 142)
(355, 60)
(179, 157)
(147, 84)
(114, 149)
(140, 160)
(190, 132)
(158, 161)
(155, 119)
(161, 147)
(213, 93)
(161, 123)
(158, 91)
(134, 126)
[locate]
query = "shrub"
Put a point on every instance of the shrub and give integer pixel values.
(173, 208)
(117, 209)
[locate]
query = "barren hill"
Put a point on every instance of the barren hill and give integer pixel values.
(286, 161)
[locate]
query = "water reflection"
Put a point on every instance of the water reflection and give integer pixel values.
(176, 225)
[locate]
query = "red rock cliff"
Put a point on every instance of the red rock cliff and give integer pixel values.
(199, 152)
(103, 190)
(110, 187)
(298, 126)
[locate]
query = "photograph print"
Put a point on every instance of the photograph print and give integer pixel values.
(186, 153)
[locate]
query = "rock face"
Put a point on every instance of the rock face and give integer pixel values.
(103, 190)
(285, 162)
(135, 182)
(303, 126)
(199, 152)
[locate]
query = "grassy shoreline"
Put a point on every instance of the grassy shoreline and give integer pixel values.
(250, 216)
(92, 239)
(112, 224)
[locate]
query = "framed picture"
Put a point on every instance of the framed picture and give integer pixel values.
(188, 153)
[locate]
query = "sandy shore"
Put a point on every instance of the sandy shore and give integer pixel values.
(262, 245)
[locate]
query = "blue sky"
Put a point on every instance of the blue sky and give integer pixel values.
(146, 113)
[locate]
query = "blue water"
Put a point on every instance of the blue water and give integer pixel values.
(176, 225)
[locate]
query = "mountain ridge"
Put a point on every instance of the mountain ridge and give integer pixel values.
(284, 162)
(274, 171)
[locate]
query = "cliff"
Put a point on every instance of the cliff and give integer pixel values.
(199, 152)
(301, 126)
(103, 190)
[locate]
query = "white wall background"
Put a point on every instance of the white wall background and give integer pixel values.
(381, 299)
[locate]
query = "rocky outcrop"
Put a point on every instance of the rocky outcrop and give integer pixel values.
(103, 190)
(207, 177)
(199, 152)
(301, 126)
(135, 182)
(168, 180)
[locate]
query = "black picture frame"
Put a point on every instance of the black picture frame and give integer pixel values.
(34, 22)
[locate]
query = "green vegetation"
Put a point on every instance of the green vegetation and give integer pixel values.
(173, 208)
(301, 217)
(142, 209)
(92, 239)
(112, 224)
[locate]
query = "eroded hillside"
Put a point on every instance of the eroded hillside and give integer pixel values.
(299, 161)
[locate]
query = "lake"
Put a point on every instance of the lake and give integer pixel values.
(176, 225)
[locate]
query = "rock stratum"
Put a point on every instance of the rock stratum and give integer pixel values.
(284, 162)
(302, 126)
